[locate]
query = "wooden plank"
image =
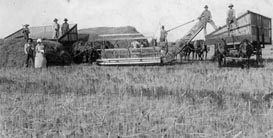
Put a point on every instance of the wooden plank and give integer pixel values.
(225, 26)
(130, 62)
(144, 48)
(127, 34)
(121, 59)
(244, 22)
(123, 38)
(130, 53)
(70, 36)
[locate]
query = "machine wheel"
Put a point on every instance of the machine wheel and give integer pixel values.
(246, 50)
(259, 58)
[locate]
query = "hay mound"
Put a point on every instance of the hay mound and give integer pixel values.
(1, 41)
(93, 34)
(12, 53)
(107, 30)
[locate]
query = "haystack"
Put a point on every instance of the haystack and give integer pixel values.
(93, 34)
(12, 53)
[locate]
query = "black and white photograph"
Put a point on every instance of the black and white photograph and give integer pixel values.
(136, 69)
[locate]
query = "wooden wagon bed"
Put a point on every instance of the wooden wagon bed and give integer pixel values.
(247, 39)
(252, 26)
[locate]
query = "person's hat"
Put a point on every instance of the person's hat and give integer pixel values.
(26, 25)
(39, 40)
(206, 6)
(55, 20)
(230, 5)
(30, 39)
(65, 19)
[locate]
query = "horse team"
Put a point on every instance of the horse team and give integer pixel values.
(197, 49)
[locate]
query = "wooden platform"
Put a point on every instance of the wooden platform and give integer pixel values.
(130, 61)
(130, 56)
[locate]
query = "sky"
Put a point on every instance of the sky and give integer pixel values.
(146, 15)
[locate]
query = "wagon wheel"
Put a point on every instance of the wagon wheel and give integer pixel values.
(259, 58)
(246, 50)
(66, 58)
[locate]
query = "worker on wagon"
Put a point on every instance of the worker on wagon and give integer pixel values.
(26, 32)
(163, 43)
(56, 29)
(231, 17)
(207, 18)
(163, 34)
(65, 26)
(29, 51)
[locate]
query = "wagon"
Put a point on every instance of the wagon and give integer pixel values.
(243, 41)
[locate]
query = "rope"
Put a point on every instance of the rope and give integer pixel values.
(181, 25)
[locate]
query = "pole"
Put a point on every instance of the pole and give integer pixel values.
(181, 25)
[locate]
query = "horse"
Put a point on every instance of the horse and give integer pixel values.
(201, 49)
(189, 49)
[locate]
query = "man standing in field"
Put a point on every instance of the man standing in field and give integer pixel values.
(231, 17)
(26, 32)
(56, 29)
(65, 26)
(29, 51)
(207, 18)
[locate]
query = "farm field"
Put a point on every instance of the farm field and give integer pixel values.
(188, 100)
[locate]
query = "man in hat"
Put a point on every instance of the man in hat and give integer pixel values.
(56, 29)
(231, 17)
(207, 18)
(163, 43)
(163, 34)
(65, 26)
(29, 51)
(26, 32)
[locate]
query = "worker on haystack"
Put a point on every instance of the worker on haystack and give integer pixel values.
(40, 59)
(65, 27)
(207, 18)
(231, 17)
(29, 51)
(56, 29)
(26, 32)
